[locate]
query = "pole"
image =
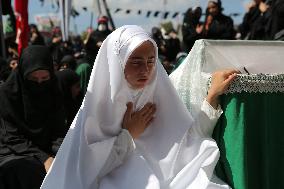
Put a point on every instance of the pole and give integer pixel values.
(164, 9)
(91, 23)
(67, 17)
(108, 14)
(3, 48)
(99, 7)
(62, 11)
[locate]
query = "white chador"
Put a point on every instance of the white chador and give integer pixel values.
(175, 151)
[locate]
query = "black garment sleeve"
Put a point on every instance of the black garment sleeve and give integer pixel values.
(189, 35)
(278, 18)
(221, 29)
(280, 9)
(249, 21)
(15, 143)
(59, 130)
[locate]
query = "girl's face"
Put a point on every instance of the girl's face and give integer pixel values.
(140, 65)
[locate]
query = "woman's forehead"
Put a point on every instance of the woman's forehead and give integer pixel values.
(146, 48)
(127, 42)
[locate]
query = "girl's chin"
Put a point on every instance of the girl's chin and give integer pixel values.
(139, 85)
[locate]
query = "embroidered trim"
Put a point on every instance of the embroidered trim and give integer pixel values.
(116, 48)
(118, 45)
(263, 83)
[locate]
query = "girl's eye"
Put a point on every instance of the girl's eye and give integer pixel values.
(151, 61)
(135, 62)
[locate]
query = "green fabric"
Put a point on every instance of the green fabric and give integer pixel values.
(250, 137)
(84, 71)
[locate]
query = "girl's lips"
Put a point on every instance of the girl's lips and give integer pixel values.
(142, 80)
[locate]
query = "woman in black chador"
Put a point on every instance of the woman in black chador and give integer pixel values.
(217, 25)
(191, 27)
(31, 121)
(69, 83)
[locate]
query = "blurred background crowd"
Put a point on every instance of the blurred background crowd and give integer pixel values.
(264, 20)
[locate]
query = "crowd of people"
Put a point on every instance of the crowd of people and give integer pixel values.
(262, 21)
(42, 89)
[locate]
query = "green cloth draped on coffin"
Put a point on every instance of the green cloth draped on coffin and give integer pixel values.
(250, 133)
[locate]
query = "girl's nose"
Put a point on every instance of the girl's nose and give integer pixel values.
(144, 67)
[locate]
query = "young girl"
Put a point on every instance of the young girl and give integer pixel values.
(133, 131)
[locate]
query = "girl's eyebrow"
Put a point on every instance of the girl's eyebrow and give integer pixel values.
(139, 58)
(136, 57)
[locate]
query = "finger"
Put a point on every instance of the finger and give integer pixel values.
(230, 72)
(230, 79)
(150, 112)
(128, 112)
(145, 108)
(150, 121)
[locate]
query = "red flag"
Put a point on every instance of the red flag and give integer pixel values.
(22, 24)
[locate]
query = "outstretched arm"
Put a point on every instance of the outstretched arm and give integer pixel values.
(210, 109)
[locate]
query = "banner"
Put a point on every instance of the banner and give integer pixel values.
(22, 26)
(157, 13)
(45, 22)
(149, 13)
(87, 5)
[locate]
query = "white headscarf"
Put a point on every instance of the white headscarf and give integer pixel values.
(161, 151)
(214, 1)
